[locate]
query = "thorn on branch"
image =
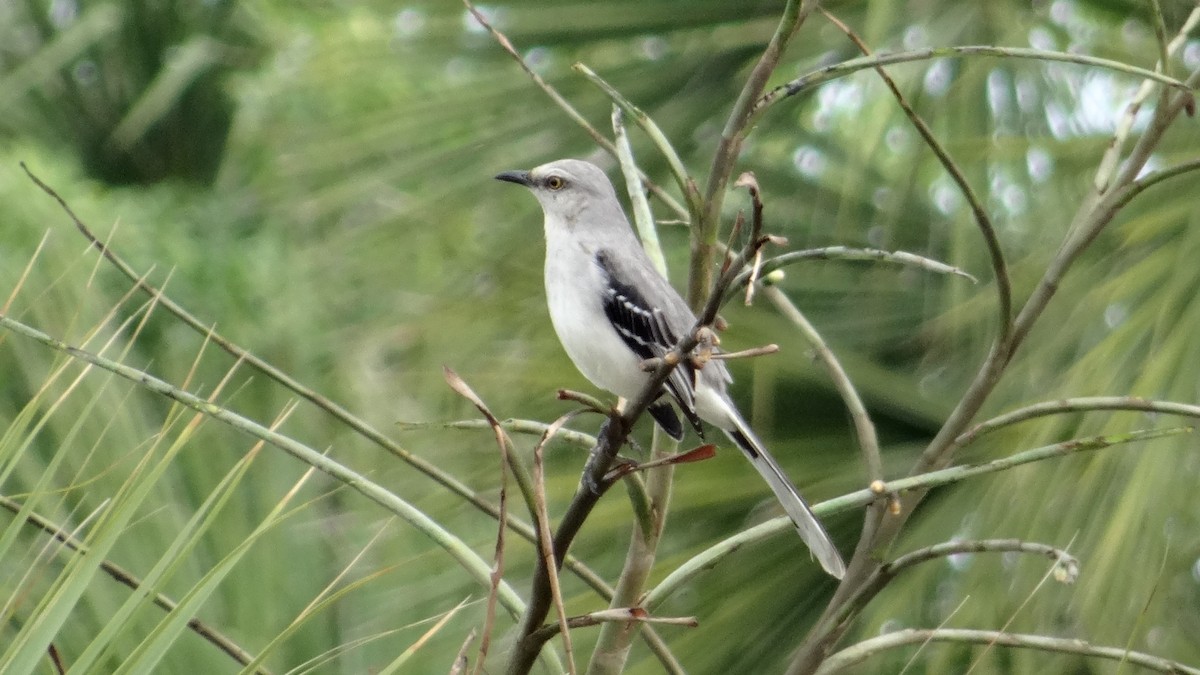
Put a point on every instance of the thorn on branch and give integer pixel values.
(586, 400)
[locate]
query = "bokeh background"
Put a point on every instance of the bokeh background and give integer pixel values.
(314, 179)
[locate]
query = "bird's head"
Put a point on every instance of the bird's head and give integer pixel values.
(567, 189)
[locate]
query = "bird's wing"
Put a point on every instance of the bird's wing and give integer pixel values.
(644, 328)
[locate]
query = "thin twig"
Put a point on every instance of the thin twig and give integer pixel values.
(507, 45)
(620, 615)
(512, 425)
(545, 538)
(459, 666)
(747, 353)
(710, 557)
(1112, 155)
(704, 232)
(856, 654)
(982, 220)
(854, 254)
(643, 218)
(1065, 569)
(504, 443)
(613, 645)
(1056, 572)
(686, 185)
(1080, 404)
(844, 68)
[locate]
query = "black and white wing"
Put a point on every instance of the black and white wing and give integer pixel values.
(646, 331)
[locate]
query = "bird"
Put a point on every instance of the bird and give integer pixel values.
(613, 310)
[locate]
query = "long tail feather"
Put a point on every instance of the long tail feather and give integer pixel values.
(802, 516)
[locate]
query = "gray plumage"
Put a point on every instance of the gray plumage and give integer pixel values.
(612, 310)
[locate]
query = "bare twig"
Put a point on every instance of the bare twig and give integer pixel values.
(982, 220)
(849, 66)
(847, 253)
(516, 426)
(507, 45)
(621, 615)
(1066, 566)
(856, 654)
(1065, 569)
(615, 640)
(1108, 164)
(504, 443)
(686, 185)
(545, 538)
(704, 232)
(1080, 404)
(747, 353)
(710, 557)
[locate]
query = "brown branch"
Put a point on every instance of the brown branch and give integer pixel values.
(704, 233)
(504, 443)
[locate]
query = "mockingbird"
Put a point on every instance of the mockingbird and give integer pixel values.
(612, 310)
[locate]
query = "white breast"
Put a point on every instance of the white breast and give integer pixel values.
(573, 293)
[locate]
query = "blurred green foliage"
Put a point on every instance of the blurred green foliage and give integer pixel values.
(314, 179)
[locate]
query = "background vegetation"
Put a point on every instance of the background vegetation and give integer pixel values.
(314, 179)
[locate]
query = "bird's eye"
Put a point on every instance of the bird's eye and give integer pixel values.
(556, 183)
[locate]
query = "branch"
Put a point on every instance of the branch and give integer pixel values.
(982, 220)
(856, 654)
(686, 185)
(643, 218)
(844, 68)
(847, 253)
(613, 644)
(545, 544)
(1066, 568)
(516, 426)
(504, 444)
(710, 557)
(704, 233)
(618, 615)
(1081, 404)
(507, 45)
(1112, 156)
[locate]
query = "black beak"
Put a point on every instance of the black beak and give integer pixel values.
(518, 177)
